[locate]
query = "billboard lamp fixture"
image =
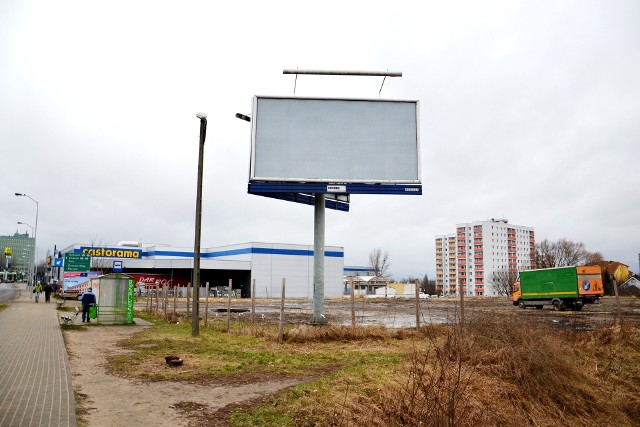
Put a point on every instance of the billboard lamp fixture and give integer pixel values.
(243, 117)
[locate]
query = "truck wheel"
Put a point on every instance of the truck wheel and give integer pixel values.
(557, 305)
(521, 304)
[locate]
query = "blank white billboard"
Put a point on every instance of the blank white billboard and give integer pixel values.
(334, 140)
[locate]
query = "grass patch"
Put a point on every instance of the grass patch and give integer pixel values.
(216, 354)
(82, 409)
(497, 370)
(3, 307)
(490, 373)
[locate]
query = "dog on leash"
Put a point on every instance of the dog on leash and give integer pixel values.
(68, 319)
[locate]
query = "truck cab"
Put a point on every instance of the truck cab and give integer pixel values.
(517, 293)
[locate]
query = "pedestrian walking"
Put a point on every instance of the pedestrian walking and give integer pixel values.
(47, 292)
(88, 299)
(36, 290)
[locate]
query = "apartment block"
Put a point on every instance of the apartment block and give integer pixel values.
(468, 259)
(21, 246)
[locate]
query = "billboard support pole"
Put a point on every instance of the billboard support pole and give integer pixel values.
(318, 260)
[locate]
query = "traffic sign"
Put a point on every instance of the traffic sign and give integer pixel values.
(117, 266)
(77, 262)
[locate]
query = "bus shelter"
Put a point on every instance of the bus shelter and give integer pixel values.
(115, 295)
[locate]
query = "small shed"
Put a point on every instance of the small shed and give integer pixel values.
(366, 285)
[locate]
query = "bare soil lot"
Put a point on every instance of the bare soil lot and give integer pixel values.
(401, 313)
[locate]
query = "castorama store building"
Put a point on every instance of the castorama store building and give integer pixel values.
(266, 263)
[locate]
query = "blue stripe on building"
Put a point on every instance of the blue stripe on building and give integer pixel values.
(233, 252)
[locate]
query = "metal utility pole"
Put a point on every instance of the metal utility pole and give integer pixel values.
(318, 261)
(195, 315)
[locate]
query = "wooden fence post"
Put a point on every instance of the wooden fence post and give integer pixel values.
(253, 301)
(188, 305)
(229, 305)
(417, 286)
(206, 307)
(462, 290)
(157, 298)
(353, 303)
(164, 298)
(175, 298)
(281, 329)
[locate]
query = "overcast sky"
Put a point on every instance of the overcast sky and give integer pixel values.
(528, 111)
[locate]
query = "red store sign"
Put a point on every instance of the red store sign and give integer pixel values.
(153, 281)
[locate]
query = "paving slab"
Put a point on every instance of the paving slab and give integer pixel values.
(35, 376)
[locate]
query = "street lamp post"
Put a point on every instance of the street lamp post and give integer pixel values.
(195, 315)
(35, 237)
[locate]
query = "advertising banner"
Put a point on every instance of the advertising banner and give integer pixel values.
(73, 279)
(154, 281)
(130, 299)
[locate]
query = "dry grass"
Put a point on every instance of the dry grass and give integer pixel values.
(308, 334)
(490, 373)
(499, 370)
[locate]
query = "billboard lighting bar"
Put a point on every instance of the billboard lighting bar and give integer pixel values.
(345, 73)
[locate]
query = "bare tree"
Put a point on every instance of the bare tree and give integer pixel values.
(379, 262)
(102, 265)
(545, 254)
(563, 253)
(503, 280)
(428, 286)
(593, 258)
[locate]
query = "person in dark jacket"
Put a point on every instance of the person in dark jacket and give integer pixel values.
(88, 299)
(47, 292)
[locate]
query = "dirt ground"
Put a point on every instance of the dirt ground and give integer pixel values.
(107, 400)
(401, 313)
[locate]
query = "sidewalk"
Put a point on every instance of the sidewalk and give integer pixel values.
(35, 376)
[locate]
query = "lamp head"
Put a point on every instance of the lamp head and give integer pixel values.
(19, 194)
(243, 117)
(201, 116)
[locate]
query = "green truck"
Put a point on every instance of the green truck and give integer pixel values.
(562, 287)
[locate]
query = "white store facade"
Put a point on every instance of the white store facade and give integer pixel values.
(266, 263)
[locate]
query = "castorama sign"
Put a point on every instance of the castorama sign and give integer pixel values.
(112, 252)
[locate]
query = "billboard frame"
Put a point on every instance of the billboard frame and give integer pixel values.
(338, 180)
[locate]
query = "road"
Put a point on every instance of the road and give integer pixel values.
(8, 292)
